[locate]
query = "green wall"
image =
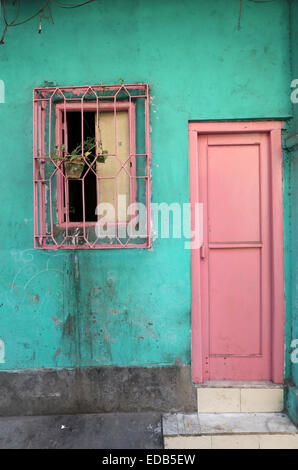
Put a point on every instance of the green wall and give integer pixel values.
(124, 307)
(291, 221)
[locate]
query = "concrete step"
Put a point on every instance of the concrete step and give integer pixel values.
(237, 397)
(229, 431)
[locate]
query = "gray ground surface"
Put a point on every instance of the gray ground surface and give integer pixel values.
(82, 431)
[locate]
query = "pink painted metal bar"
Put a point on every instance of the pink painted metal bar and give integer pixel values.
(73, 235)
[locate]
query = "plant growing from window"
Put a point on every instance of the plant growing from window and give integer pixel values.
(74, 162)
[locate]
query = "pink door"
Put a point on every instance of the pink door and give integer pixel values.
(233, 281)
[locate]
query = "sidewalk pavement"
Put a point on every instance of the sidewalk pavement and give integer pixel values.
(82, 431)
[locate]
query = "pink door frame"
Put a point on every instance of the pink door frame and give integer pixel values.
(273, 130)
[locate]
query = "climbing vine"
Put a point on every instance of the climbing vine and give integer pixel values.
(43, 11)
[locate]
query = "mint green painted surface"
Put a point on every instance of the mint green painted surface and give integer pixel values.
(291, 233)
(294, 195)
(292, 402)
(291, 271)
(65, 309)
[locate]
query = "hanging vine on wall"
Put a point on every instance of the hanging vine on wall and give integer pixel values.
(43, 12)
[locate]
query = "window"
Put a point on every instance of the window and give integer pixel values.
(92, 181)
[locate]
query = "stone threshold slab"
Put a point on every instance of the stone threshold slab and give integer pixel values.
(238, 384)
(226, 423)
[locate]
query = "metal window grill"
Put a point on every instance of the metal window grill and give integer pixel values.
(102, 132)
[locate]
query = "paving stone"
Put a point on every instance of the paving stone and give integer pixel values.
(82, 431)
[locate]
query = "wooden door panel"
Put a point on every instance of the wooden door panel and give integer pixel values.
(235, 282)
(234, 193)
(235, 301)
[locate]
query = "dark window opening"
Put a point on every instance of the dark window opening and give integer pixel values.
(75, 192)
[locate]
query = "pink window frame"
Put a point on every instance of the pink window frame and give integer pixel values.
(273, 129)
(62, 109)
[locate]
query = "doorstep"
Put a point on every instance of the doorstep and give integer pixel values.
(237, 397)
(229, 431)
